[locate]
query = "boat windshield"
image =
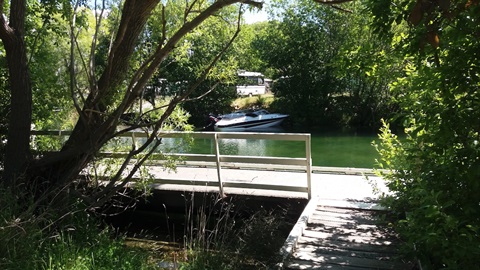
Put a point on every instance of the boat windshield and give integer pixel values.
(236, 114)
(257, 113)
(247, 112)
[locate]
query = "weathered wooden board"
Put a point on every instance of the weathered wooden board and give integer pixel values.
(346, 238)
(350, 261)
(338, 232)
(324, 250)
(309, 265)
(353, 246)
(344, 265)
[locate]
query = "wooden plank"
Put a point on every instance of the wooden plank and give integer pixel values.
(309, 265)
(343, 216)
(350, 261)
(348, 210)
(347, 265)
(339, 220)
(345, 251)
(353, 231)
(371, 247)
(347, 238)
(297, 230)
(335, 224)
(185, 182)
(352, 204)
(198, 182)
(344, 170)
(347, 215)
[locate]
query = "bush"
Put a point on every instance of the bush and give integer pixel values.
(435, 198)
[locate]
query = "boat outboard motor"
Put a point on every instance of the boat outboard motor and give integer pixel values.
(211, 121)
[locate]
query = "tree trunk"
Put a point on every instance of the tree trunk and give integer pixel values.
(17, 152)
(18, 145)
(96, 124)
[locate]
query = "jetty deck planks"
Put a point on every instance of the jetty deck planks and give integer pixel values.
(338, 237)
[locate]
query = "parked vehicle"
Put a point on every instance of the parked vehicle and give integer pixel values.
(251, 83)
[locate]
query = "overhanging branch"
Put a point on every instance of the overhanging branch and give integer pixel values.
(332, 2)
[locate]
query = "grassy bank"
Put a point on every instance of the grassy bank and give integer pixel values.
(262, 101)
(43, 240)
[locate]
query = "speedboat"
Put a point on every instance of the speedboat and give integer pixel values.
(246, 120)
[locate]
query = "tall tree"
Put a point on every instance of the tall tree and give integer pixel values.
(112, 89)
(12, 33)
(301, 47)
(322, 60)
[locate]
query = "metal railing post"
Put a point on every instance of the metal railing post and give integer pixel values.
(308, 153)
(219, 167)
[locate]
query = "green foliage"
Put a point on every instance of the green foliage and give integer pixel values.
(185, 66)
(300, 48)
(435, 172)
(329, 68)
(365, 67)
(216, 102)
(245, 48)
(91, 250)
(437, 214)
(261, 101)
(47, 241)
(48, 60)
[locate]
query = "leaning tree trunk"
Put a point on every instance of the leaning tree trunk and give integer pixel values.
(96, 124)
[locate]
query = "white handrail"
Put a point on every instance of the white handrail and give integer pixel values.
(219, 166)
(219, 158)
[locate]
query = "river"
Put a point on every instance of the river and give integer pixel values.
(332, 149)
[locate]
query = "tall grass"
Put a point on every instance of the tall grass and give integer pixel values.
(40, 241)
(223, 234)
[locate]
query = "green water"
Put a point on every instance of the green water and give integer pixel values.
(328, 149)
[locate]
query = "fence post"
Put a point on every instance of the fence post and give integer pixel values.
(308, 153)
(219, 167)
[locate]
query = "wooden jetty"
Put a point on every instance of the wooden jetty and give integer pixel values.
(342, 234)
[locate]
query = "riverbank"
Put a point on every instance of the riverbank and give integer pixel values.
(45, 240)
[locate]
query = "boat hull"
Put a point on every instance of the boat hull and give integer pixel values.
(249, 124)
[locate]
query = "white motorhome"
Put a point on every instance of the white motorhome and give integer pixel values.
(251, 83)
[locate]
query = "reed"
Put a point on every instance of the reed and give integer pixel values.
(224, 234)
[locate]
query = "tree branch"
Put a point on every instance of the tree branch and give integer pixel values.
(204, 94)
(6, 32)
(332, 2)
(214, 61)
